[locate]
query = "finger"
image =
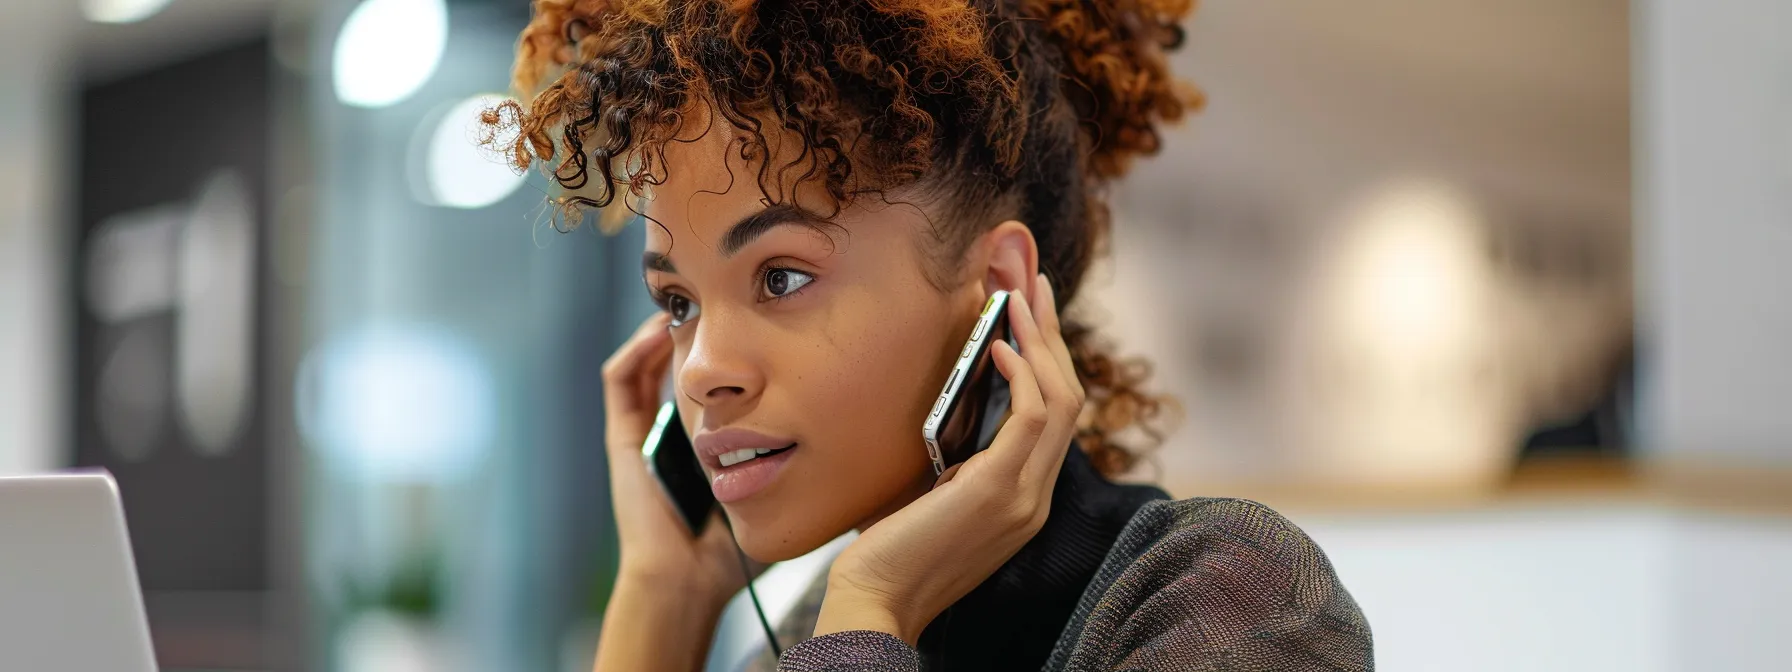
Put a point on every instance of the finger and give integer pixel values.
(1016, 440)
(1061, 406)
(625, 366)
(629, 402)
(1034, 348)
(946, 477)
(1060, 399)
(651, 377)
(634, 418)
(635, 399)
(1053, 329)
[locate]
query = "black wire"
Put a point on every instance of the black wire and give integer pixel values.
(945, 633)
(770, 638)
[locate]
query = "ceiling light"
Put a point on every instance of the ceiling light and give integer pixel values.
(388, 49)
(458, 171)
(121, 11)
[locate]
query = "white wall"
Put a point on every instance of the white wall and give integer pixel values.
(1713, 134)
(1569, 586)
(1266, 260)
(1521, 588)
(31, 333)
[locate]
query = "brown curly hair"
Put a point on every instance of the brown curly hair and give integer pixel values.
(1007, 109)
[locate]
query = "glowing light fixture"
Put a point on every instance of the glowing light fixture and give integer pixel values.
(398, 403)
(121, 11)
(1409, 309)
(388, 49)
(1411, 280)
(459, 173)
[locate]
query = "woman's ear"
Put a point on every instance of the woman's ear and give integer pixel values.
(1012, 258)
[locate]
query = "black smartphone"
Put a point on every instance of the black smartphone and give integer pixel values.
(974, 401)
(674, 464)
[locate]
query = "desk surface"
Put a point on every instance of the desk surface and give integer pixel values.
(1717, 486)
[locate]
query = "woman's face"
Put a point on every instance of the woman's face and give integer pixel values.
(828, 344)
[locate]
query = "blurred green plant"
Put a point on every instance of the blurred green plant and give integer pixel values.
(413, 588)
(603, 578)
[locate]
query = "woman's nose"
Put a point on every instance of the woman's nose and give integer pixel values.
(720, 367)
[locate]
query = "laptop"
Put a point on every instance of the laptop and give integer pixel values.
(69, 600)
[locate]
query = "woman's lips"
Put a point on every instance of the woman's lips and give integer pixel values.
(741, 481)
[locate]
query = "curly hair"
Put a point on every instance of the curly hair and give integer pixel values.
(1006, 109)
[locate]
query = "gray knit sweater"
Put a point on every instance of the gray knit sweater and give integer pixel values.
(1195, 584)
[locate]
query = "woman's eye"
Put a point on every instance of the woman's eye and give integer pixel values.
(681, 309)
(780, 282)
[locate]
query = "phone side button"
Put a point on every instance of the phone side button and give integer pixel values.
(982, 327)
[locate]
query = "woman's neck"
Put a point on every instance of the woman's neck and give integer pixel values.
(919, 487)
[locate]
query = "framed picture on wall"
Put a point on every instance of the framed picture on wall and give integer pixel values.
(170, 202)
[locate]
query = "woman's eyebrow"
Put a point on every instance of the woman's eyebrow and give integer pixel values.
(743, 233)
(657, 261)
(753, 226)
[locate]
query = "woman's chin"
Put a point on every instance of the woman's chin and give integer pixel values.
(777, 540)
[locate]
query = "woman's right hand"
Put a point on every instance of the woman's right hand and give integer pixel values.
(658, 549)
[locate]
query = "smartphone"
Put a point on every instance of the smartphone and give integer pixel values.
(674, 464)
(974, 402)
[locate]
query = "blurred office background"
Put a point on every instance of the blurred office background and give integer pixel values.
(1487, 296)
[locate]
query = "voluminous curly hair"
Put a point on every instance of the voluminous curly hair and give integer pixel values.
(999, 109)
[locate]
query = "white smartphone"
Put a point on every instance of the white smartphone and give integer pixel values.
(974, 402)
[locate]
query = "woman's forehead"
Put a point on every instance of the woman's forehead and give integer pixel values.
(710, 180)
(708, 187)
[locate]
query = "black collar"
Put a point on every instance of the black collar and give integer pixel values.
(1012, 620)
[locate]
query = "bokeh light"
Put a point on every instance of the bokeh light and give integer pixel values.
(121, 11)
(458, 171)
(388, 49)
(403, 403)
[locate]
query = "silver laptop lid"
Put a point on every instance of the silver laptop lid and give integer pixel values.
(69, 599)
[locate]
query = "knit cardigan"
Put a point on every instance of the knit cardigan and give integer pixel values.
(1122, 578)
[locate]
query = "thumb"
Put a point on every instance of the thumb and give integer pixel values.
(947, 476)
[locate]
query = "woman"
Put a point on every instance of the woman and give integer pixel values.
(833, 190)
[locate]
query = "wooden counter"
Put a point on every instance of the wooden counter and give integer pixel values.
(1722, 486)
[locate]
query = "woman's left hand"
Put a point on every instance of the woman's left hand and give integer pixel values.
(907, 568)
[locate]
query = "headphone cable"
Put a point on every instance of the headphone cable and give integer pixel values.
(770, 638)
